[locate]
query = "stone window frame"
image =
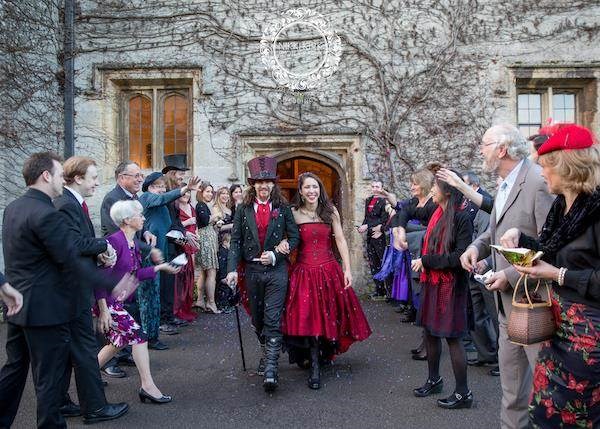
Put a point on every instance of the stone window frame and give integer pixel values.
(580, 80)
(112, 83)
(157, 95)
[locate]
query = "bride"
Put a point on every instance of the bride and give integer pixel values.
(323, 316)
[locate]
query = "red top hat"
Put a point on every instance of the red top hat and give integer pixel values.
(565, 137)
(262, 168)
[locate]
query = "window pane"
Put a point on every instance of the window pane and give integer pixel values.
(570, 101)
(176, 124)
(140, 131)
(558, 101)
(563, 107)
(528, 130)
(529, 112)
(523, 101)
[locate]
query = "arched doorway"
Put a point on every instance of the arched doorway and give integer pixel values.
(289, 170)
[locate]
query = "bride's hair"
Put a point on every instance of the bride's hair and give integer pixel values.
(324, 206)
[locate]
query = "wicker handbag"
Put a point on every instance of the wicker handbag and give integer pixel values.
(530, 322)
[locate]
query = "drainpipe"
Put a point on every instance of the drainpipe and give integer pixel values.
(69, 68)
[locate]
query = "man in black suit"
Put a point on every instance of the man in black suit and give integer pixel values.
(42, 263)
(129, 178)
(259, 225)
(375, 219)
(81, 177)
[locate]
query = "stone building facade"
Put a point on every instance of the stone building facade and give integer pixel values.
(417, 81)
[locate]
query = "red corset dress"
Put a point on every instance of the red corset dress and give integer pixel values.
(317, 303)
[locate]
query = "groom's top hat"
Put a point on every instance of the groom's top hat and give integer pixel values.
(262, 168)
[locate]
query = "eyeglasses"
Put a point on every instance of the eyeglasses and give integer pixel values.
(137, 176)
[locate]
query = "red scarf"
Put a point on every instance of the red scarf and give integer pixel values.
(443, 279)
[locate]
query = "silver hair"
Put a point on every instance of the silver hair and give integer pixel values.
(125, 209)
(512, 139)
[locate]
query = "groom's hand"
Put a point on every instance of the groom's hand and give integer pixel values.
(267, 258)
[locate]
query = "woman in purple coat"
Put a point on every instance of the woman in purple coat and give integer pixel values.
(117, 324)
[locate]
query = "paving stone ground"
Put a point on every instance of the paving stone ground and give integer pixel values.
(370, 386)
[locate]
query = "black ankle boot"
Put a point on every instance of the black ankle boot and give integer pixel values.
(272, 349)
(314, 380)
(429, 388)
(456, 400)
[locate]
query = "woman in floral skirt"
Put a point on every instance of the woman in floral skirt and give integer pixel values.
(566, 385)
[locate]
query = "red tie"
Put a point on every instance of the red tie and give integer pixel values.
(85, 209)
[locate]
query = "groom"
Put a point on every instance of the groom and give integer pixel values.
(260, 223)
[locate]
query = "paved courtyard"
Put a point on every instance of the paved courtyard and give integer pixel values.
(368, 387)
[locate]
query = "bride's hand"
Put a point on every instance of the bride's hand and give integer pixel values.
(283, 247)
(347, 279)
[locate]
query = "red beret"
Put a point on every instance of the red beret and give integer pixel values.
(565, 137)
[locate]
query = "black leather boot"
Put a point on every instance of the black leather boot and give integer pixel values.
(272, 349)
(314, 380)
(261, 364)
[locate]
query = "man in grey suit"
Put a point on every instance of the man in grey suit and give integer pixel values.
(522, 202)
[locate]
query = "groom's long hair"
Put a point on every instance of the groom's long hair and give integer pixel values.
(277, 199)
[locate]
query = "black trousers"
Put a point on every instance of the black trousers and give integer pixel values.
(485, 318)
(167, 296)
(267, 289)
(375, 251)
(47, 349)
(84, 360)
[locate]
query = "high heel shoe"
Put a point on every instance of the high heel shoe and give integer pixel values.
(456, 400)
(212, 309)
(145, 396)
(429, 388)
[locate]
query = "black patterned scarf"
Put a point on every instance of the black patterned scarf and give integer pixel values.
(561, 229)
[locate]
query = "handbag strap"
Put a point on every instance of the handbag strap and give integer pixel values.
(529, 301)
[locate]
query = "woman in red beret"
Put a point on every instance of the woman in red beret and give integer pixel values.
(566, 385)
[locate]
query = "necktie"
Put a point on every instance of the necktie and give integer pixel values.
(85, 208)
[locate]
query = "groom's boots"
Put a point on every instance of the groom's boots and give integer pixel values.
(272, 348)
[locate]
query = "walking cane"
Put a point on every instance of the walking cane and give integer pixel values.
(239, 329)
(237, 318)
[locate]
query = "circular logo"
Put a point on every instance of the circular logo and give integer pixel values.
(300, 49)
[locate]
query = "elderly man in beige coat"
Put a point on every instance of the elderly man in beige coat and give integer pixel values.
(522, 202)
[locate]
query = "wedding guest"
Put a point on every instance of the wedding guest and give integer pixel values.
(206, 257)
(129, 179)
(236, 197)
(373, 223)
(224, 224)
(322, 316)
(445, 288)
(176, 166)
(155, 200)
(184, 280)
(118, 325)
(43, 265)
(522, 201)
(566, 381)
